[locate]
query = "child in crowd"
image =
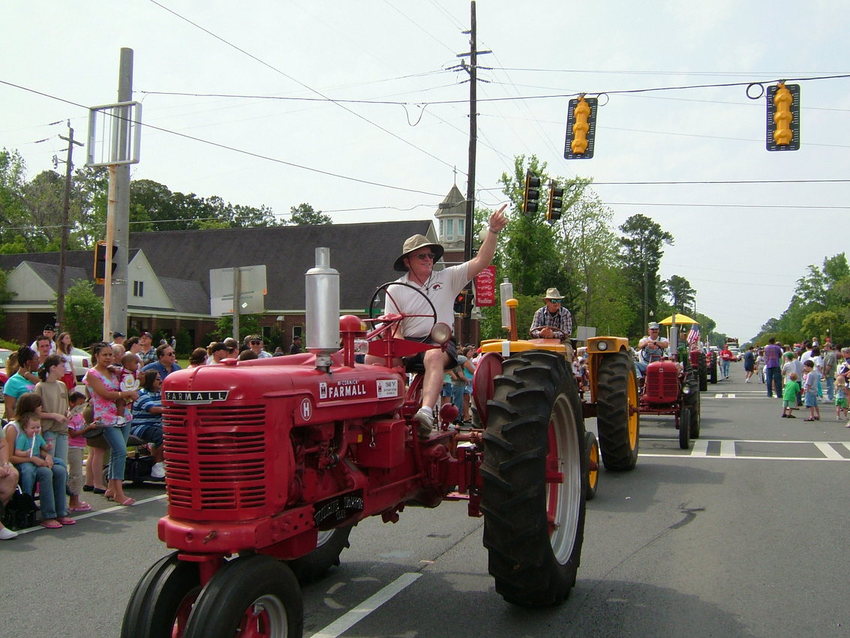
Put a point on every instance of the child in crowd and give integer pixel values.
(792, 364)
(841, 398)
(810, 389)
(76, 444)
(789, 395)
(128, 379)
(32, 456)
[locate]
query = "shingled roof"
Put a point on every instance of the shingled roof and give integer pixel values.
(362, 253)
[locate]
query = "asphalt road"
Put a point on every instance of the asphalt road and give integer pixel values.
(741, 536)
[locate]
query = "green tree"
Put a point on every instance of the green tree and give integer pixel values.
(248, 325)
(529, 249)
(641, 252)
(682, 296)
(44, 197)
(88, 205)
(304, 215)
(83, 313)
(13, 212)
(5, 297)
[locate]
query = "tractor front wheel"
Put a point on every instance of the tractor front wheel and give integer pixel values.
(162, 600)
(250, 596)
(617, 416)
(534, 473)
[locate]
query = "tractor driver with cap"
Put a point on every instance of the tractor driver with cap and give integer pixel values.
(552, 321)
(417, 260)
(651, 348)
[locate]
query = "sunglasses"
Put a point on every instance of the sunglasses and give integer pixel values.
(554, 300)
(424, 256)
(254, 342)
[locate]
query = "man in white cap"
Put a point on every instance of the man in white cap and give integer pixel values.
(651, 348)
(552, 321)
(441, 287)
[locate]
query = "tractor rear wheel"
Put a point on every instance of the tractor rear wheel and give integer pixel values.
(250, 596)
(685, 428)
(702, 371)
(617, 417)
(329, 546)
(534, 473)
(591, 448)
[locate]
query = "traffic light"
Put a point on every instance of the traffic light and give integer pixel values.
(460, 303)
(783, 117)
(100, 261)
(556, 202)
(581, 128)
(531, 193)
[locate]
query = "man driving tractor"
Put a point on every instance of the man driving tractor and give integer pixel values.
(651, 348)
(552, 321)
(440, 287)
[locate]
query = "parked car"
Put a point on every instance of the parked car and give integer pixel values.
(4, 354)
(81, 360)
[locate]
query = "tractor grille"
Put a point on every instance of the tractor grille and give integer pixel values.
(663, 387)
(216, 457)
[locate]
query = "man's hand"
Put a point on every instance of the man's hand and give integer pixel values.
(498, 220)
(547, 333)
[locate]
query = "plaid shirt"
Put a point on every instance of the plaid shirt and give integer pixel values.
(561, 322)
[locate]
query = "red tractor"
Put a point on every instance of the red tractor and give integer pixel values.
(271, 463)
(671, 387)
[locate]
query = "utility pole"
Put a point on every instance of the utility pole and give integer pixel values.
(66, 205)
(118, 212)
(472, 69)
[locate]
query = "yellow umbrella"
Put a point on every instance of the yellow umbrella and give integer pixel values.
(680, 319)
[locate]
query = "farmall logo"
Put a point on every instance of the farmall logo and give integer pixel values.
(196, 398)
(342, 389)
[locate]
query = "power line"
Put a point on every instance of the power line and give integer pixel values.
(632, 72)
(300, 83)
(571, 94)
(233, 148)
(790, 206)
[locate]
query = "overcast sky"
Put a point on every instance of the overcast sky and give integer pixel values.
(741, 246)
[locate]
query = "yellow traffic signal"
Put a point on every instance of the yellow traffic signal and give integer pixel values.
(783, 117)
(531, 193)
(581, 128)
(556, 202)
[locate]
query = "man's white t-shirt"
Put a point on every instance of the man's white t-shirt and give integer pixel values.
(441, 288)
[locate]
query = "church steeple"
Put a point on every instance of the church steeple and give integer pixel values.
(451, 215)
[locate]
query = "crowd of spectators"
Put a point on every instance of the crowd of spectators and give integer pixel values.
(56, 441)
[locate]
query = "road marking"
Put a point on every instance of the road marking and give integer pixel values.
(728, 450)
(700, 448)
(351, 618)
(829, 452)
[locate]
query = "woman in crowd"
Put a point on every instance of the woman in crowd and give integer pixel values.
(105, 391)
(64, 346)
(22, 381)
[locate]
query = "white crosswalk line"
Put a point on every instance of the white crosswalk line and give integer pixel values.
(828, 451)
(700, 448)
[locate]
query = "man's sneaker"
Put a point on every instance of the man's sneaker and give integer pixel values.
(6, 534)
(425, 423)
(158, 470)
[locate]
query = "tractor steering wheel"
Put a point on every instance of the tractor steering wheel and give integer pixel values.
(385, 288)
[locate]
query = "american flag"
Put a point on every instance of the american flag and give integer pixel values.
(693, 335)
